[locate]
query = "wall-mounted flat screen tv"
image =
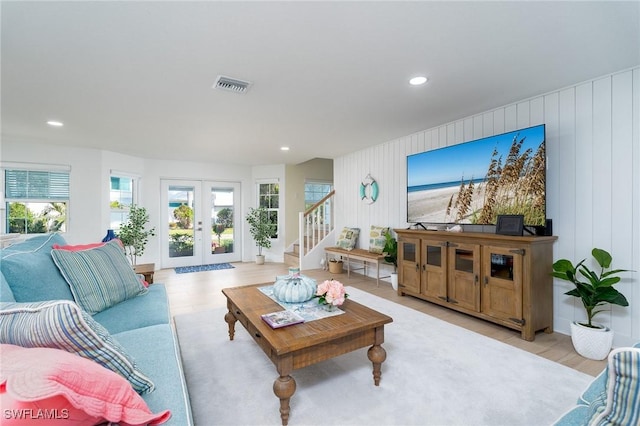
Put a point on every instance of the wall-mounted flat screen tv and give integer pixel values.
(474, 182)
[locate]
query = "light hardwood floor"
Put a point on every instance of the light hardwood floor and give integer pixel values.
(202, 290)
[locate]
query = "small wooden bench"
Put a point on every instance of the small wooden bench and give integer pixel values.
(360, 255)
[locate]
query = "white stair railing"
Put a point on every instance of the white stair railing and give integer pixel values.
(315, 225)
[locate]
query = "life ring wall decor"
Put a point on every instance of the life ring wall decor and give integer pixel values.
(369, 190)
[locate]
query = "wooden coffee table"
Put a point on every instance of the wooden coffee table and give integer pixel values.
(301, 345)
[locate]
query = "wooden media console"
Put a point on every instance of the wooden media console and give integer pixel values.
(503, 279)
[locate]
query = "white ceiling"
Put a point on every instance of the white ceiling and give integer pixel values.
(328, 78)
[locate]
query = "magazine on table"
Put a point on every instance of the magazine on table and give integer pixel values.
(282, 319)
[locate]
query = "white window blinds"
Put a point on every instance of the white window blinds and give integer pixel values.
(36, 185)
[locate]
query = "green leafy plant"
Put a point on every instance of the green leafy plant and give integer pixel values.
(184, 215)
(597, 290)
(180, 244)
(260, 227)
(133, 234)
(391, 250)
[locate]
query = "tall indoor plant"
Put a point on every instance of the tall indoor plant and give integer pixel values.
(595, 290)
(261, 230)
(391, 256)
(133, 232)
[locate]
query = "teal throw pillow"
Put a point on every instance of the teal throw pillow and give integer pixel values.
(30, 272)
(6, 295)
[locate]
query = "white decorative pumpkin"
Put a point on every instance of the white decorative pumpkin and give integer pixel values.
(294, 288)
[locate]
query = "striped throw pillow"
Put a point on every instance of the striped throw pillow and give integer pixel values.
(99, 277)
(61, 324)
(622, 406)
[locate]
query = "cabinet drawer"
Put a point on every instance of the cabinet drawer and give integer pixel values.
(258, 338)
(239, 316)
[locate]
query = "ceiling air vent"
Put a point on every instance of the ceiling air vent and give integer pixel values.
(231, 84)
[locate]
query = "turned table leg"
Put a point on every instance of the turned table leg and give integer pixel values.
(284, 387)
(377, 355)
(231, 320)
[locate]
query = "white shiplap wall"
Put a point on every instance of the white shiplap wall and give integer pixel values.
(593, 180)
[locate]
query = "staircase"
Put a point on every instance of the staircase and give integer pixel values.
(315, 232)
(292, 258)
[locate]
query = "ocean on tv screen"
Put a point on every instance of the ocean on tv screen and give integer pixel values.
(474, 182)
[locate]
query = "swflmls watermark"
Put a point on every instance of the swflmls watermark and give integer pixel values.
(36, 414)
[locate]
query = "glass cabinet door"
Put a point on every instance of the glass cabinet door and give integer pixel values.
(434, 267)
(502, 283)
(409, 265)
(464, 275)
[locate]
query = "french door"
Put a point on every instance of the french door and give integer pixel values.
(200, 219)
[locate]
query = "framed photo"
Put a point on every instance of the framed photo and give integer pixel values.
(510, 224)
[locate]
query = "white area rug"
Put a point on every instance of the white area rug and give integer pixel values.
(435, 374)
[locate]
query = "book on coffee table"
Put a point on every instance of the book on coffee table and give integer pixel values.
(282, 319)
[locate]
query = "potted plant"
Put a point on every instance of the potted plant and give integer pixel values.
(133, 234)
(595, 290)
(223, 220)
(261, 230)
(218, 230)
(391, 256)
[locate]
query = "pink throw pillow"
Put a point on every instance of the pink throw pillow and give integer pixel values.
(37, 384)
(78, 247)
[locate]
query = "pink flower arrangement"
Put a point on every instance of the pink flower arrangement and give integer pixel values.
(331, 292)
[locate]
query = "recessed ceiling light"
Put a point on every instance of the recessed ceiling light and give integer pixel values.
(55, 123)
(417, 81)
(284, 148)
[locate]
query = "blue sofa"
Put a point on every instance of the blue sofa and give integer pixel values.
(613, 397)
(141, 324)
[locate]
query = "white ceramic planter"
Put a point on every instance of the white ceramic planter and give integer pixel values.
(260, 259)
(592, 343)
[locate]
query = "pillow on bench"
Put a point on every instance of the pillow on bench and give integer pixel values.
(348, 238)
(377, 239)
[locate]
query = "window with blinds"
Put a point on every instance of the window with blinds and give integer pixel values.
(36, 185)
(36, 201)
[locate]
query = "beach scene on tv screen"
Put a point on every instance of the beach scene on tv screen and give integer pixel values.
(474, 182)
